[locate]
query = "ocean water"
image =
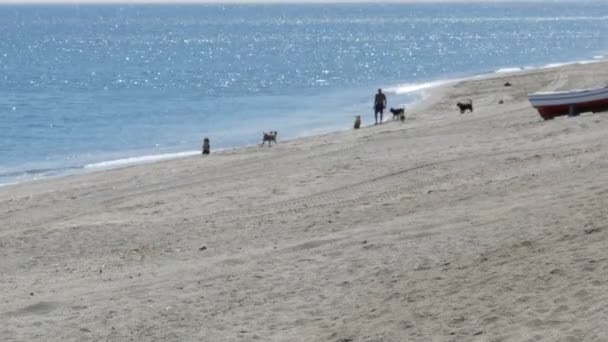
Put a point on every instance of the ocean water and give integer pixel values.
(86, 87)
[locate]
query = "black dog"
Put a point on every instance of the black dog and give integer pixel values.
(270, 137)
(463, 106)
(398, 113)
(206, 147)
(357, 124)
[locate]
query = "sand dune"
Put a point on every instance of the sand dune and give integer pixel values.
(488, 226)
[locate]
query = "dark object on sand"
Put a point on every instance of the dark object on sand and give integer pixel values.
(269, 137)
(501, 102)
(507, 84)
(357, 124)
(463, 106)
(398, 113)
(206, 146)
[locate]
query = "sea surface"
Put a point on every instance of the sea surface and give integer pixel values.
(88, 87)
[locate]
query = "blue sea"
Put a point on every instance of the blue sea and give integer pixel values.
(87, 87)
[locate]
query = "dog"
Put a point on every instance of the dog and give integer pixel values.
(463, 106)
(398, 113)
(357, 122)
(269, 137)
(206, 148)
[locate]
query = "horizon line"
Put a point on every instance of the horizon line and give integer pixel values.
(262, 2)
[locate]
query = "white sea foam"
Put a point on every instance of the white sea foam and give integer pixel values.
(590, 61)
(415, 87)
(557, 65)
(139, 160)
(508, 70)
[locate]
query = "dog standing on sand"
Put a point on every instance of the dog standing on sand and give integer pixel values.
(463, 106)
(357, 122)
(398, 113)
(269, 137)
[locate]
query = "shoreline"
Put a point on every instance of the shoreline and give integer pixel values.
(419, 89)
(489, 225)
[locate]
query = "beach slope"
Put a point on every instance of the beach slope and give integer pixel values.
(486, 226)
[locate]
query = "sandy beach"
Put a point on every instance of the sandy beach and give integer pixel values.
(486, 226)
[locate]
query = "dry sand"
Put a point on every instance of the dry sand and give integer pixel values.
(488, 226)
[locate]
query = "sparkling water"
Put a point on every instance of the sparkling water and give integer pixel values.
(94, 86)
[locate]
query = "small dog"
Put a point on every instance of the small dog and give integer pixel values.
(269, 137)
(463, 106)
(398, 113)
(206, 147)
(357, 122)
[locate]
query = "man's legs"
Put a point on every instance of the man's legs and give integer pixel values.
(378, 109)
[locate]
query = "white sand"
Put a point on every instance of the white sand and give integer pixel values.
(489, 226)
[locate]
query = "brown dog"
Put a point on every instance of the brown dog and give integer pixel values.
(269, 137)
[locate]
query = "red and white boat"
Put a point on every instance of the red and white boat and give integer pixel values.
(572, 102)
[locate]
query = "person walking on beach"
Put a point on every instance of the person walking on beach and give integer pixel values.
(379, 105)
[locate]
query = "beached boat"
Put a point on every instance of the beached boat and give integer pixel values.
(572, 102)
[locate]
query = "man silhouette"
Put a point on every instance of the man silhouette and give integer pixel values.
(379, 105)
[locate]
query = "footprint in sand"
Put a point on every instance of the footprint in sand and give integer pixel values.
(40, 308)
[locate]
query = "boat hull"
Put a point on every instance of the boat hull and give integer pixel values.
(550, 105)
